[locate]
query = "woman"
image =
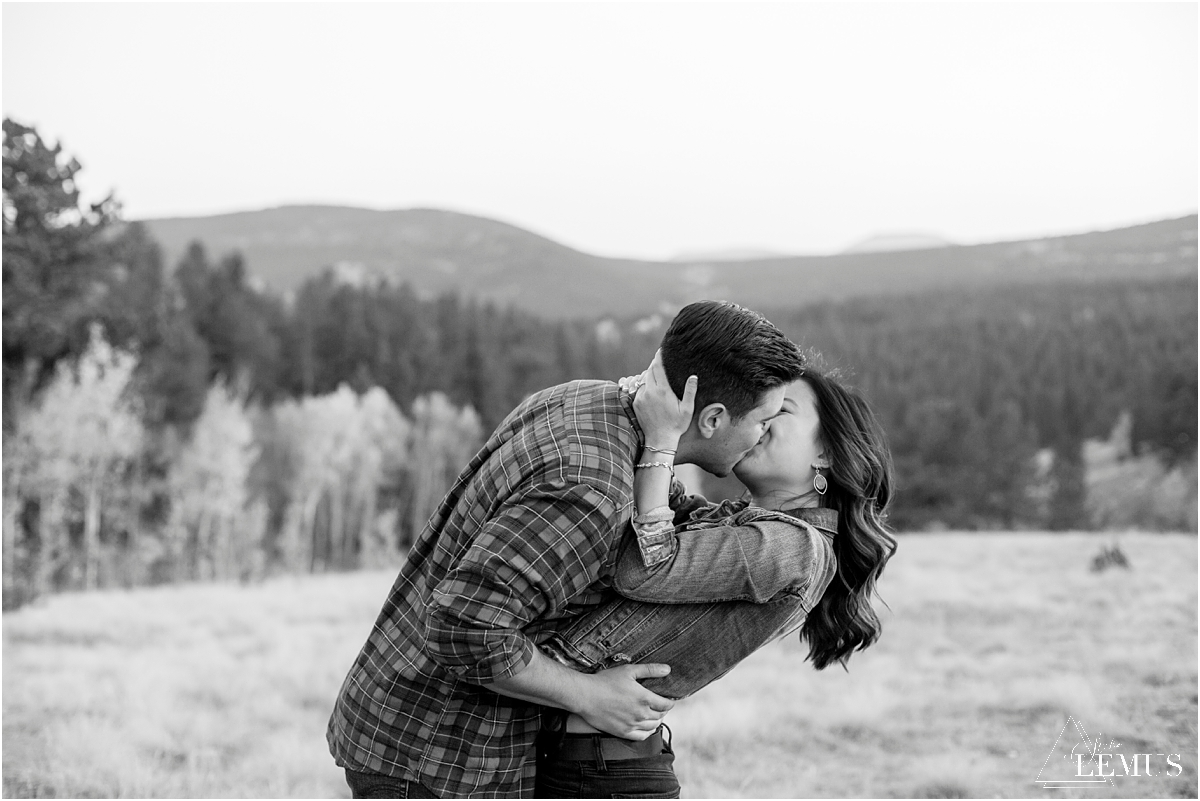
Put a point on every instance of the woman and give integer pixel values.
(705, 585)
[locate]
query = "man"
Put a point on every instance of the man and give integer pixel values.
(445, 697)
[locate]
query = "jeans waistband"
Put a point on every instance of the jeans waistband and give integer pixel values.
(602, 748)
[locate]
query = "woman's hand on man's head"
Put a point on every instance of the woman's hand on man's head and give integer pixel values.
(663, 416)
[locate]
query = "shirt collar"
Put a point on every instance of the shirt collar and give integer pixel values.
(626, 401)
(816, 516)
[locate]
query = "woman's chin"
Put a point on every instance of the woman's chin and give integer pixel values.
(747, 458)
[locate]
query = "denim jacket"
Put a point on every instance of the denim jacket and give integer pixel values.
(734, 578)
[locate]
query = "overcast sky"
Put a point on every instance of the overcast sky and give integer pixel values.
(632, 130)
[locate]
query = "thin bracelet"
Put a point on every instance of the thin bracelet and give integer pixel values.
(667, 451)
(667, 465)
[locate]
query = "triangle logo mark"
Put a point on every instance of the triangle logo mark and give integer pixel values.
(1071, 760)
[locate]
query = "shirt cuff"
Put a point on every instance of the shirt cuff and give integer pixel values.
(655, 532)
(471, 653)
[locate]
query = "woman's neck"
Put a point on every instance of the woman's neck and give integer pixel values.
(779, 497)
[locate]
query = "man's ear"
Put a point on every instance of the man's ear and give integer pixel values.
(711, 418)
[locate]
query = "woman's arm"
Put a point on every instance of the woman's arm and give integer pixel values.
(663, 418)
(654, 527)
(757, 561)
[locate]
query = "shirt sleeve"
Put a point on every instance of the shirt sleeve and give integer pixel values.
(755, 562)
(527, 562)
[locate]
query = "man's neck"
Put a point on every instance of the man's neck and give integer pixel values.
(687, 451)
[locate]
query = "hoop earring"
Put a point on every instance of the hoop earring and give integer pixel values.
(819, 483)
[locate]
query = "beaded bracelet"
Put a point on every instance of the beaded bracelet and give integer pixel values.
(667, 465)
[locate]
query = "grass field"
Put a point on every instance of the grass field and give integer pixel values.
(991, 641)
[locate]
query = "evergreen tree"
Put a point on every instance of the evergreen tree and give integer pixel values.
(53, 277)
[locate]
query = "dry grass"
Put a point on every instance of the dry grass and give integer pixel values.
(991, 641)
(196, 691)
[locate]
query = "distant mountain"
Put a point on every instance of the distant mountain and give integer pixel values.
(435, 251)
(887, 243)
(727, 254)
(438, 251)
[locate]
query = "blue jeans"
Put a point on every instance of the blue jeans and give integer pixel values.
(377, 785)
(596, 777)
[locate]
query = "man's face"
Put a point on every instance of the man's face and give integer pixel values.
(732, 441)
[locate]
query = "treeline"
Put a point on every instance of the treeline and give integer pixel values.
(97, 496)
(180, 423)
(175, 424)
(989, 398)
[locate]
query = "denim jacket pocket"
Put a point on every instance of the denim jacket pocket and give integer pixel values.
(701, 642)
(594, 641)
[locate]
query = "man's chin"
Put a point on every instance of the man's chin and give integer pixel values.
(737, 465)
(718, 470)
(723, 470)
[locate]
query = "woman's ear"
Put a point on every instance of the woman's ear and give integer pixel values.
(710, 419)
(821, 461)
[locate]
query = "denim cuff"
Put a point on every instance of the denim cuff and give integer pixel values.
(655, 532)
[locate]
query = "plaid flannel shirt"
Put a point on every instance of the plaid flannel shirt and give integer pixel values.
(528, 534)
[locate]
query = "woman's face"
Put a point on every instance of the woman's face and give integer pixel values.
(783, 459)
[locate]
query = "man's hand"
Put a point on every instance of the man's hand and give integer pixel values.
(614, 702)
(611, 700)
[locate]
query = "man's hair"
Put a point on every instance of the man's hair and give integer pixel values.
(736, 353)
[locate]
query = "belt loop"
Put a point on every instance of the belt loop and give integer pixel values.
(665, 730)
(598, 747)
(552, 732)
(560, 731)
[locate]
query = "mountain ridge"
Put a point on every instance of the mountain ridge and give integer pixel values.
(898, 240)
(438, 251)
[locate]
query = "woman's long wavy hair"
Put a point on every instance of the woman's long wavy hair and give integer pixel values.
(860, 489)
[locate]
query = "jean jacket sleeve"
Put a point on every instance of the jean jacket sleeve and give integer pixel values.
(757, 561)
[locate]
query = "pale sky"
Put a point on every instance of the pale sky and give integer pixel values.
(636, 130)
